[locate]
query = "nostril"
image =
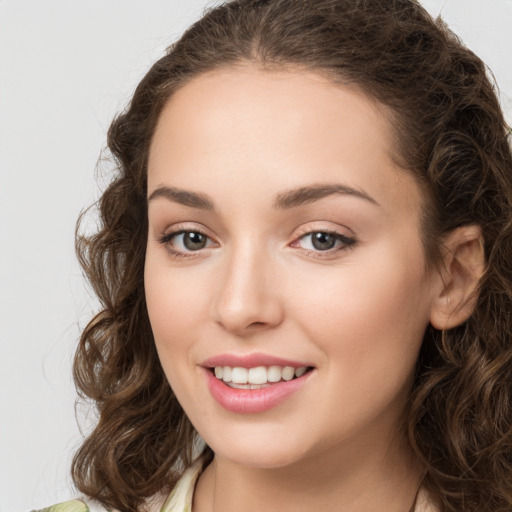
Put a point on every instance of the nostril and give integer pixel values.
(256, 324)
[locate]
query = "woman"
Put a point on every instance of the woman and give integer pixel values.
(304, 258)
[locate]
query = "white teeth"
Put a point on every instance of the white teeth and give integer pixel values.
(239, 375)
(258, 375)
(299, 372)
(288, 373)
(255, 378)
(274, 373)
(247, 386)
(226, 373)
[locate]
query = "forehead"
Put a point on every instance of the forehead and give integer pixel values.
(283, 126)
(245, 97)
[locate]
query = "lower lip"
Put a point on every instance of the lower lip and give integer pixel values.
(249, 401)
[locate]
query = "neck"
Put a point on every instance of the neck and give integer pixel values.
(351, 479)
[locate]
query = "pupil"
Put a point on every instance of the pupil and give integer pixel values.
(194, 241)
(323, 241)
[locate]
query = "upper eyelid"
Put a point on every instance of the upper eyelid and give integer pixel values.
(335, 233)
(179, 231)
(165, 240)
(183, 231)
(309, 227)
(341, 231)
(348, 244)
(297, 233)
(181, 227)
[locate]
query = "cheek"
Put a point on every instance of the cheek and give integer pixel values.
(369, 323)
(369, 318)
(174, 308)
(177, 310)
(173, 300)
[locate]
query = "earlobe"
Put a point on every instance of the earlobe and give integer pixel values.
(462, 266)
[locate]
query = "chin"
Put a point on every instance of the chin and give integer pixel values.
(268, 451)
(257, 459)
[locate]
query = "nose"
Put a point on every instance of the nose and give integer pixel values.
(247, 299)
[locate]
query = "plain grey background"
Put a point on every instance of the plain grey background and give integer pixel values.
(66, 67)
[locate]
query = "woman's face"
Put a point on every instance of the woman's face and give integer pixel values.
(283, 239)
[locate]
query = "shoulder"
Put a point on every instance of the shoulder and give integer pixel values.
(78, 505)
(179, 500)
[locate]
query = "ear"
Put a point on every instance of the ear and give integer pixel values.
(462, 266)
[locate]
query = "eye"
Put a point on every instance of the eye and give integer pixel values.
(324, 241)
(190, 240)
(186, 241)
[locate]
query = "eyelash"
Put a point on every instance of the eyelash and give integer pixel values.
(166, 238)
(346, 243)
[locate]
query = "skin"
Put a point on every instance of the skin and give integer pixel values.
(243, 136)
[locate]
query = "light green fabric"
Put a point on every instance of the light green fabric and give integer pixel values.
(180, 499)
(67, 506)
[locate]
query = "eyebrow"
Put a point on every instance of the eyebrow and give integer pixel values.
(309, 194)
(285, 200)
(184, 197)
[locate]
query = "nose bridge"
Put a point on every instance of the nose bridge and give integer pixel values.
(246, 296)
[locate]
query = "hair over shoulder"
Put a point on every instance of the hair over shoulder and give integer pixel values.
(450, 134)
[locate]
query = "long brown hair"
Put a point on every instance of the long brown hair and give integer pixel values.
(450, 134)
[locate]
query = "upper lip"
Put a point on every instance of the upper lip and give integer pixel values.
(250, 361)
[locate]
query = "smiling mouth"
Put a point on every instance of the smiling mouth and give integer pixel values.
(257, 377)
